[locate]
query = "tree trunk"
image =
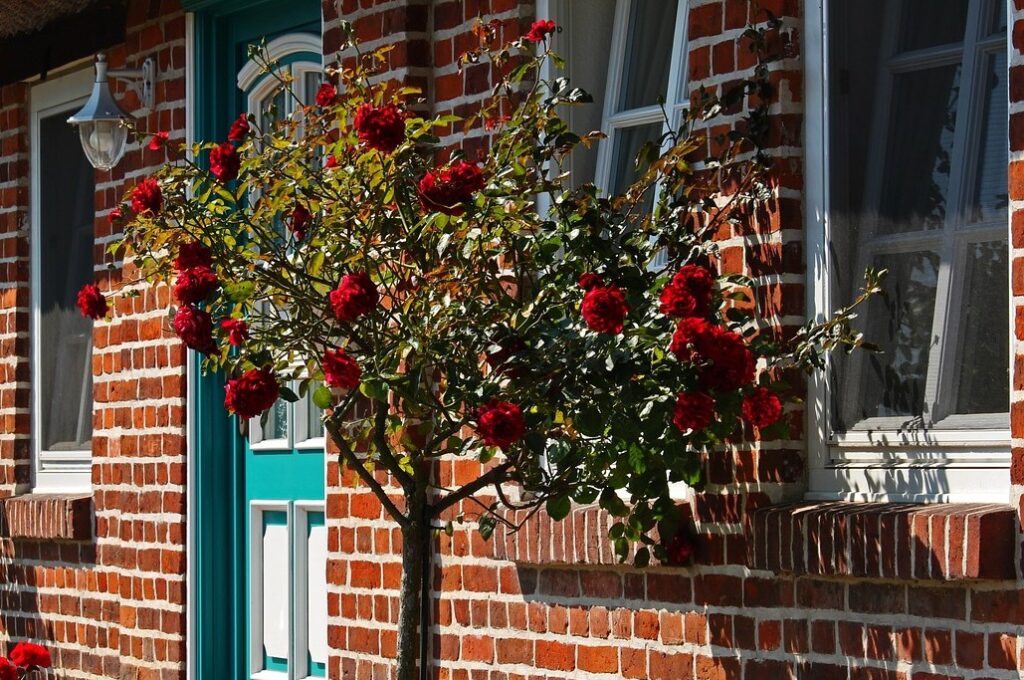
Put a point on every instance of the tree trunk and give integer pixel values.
(414, 542)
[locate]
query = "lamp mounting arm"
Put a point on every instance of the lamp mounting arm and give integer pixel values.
(139, 79)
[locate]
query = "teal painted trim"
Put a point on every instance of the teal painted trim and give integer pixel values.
(221, 31)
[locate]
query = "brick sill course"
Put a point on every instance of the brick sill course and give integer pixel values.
(942, 541)
(62, 517)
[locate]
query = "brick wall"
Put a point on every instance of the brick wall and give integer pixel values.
(111, 603)
(550, 602)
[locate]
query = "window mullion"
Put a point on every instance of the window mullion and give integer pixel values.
(940, 387)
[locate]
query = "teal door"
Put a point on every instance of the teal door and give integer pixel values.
(260, 537)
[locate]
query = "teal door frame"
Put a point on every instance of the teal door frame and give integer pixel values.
(220, 591)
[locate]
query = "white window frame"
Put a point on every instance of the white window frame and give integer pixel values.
(948, 465)
(52, 471)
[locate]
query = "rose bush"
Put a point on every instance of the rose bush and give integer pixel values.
(590, 353)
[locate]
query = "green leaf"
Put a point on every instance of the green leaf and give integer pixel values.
(287, 394)
(558, 507)
(588, 422)
(322, 397)
(374, 389)
(240, 291)
(642, 558)
(611, 502)
(486, 525)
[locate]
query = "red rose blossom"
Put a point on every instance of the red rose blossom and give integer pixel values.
(251, 393)
(604, 309)
(689, 292)
(539, 30)
(224, 162)
(299, 217)
(147, 198)
(761, 407)
(589, 280)
(326, 95)
(239, 129)
(237, 330)
(726, 361)
(194, 284)
(355, 295)
(332, 162)
(381, 128)
(26, 654)
(693, 411)
(731, 361)
(444, 190)
(687, 340)
(679, 549)
(195, 328)
(7, 671)
(192, 254)
(341, 370)
(500, 423)
(91, 302)
(115, 215)
(158, 141)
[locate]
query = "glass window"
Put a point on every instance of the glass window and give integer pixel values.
(645, 82)
(65, 265)
(62, 250)
(286, 425)
(918, 185)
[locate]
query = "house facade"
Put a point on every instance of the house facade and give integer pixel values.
(142, 536)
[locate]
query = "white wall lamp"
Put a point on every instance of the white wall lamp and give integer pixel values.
(102, 124)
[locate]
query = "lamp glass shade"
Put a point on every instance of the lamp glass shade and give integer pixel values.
(103, 141)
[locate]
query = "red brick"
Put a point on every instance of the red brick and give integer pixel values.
(1002, 650)
(670, 666)
(556, 656)
(970, 649)
(597, 659)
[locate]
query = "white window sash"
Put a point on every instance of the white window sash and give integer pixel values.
(961, 457)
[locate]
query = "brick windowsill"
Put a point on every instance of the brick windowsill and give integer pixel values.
(944, 541)
(62, 517)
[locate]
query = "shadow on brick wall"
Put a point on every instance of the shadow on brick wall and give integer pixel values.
(50, 593)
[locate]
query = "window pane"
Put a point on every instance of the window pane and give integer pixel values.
(314, 428)
(929, 23)
(627, 145)
(997, 19)
(990, 196)
(65, 265)
(911, 163)
(312, 80)
(276, 426)
(273, 108)
(915, 183)
(983, 385)
(652, 25)
(893, 381)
